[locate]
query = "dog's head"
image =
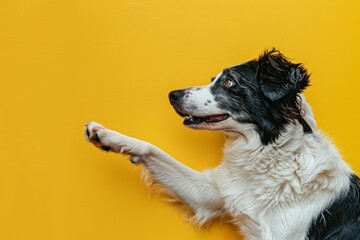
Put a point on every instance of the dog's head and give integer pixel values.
(263, 93)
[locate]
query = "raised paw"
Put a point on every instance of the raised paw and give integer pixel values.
(109, 140)
(92, 130)
(104, 138)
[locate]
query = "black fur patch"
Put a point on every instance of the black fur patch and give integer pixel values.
(340, 220)
(278, 77)
(265, 93)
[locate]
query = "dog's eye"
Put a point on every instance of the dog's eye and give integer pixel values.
(228, 83)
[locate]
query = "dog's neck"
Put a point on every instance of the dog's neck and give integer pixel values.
(244, 144)
(247, 146)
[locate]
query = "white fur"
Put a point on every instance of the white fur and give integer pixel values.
(271, 192)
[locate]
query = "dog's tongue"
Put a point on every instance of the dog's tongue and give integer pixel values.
(216, 118)
(209, 119)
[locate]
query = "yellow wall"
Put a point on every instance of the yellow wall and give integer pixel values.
(66, 62)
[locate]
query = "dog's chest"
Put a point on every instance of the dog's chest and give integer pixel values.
(258, 209)
(263, 181)
(255, 189)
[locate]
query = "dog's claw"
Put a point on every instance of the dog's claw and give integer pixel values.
(87, 132)
(122, 149)
(96, 138)
(106, 148)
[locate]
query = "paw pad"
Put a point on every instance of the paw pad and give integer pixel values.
(106, 148)
(92, 135)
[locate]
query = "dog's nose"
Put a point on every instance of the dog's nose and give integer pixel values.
(174, 96)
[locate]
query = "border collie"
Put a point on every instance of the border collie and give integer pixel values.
(280, 177)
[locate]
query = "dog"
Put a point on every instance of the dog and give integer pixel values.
(280, 177)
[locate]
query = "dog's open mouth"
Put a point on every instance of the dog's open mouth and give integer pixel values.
(191, 120)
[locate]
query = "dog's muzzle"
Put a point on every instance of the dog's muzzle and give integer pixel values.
(177, 98)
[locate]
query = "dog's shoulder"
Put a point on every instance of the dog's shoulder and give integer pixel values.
(341, 219)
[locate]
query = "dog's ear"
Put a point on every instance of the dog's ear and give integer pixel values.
(278, 77)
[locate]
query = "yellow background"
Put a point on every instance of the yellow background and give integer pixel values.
(66, 62)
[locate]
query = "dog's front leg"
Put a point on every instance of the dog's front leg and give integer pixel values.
(196, 189)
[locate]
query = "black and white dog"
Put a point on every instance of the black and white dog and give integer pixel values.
(280, 178)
